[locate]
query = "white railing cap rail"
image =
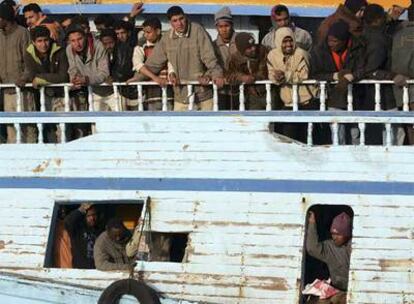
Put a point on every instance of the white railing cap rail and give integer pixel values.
(311, 81)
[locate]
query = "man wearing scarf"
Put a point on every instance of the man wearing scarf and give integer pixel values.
(289, 64)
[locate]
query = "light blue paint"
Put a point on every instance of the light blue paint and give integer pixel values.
(196, 9)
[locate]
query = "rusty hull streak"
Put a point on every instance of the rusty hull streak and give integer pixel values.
(2, 245)
(58, 161)
(222, 223)
(42, 167)
(385, 264)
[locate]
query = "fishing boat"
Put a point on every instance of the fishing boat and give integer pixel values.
(235, 191)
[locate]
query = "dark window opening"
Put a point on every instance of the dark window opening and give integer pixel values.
(348, 133)
(314, 268)
(61, 251)
(52, 133)
(167, 246)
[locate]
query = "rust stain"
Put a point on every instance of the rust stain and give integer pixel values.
(58, 161)
(401, 263)
(241, 121)
(3, 244)
(230, 224)
(42, 167)
(185, 147)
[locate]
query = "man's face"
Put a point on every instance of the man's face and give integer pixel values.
(42, 45)
(179, 23)
(251, 51)
(287, 46)
(116, 234)
(31, 18)
(122, 35)
(282, 20)
(224, 29)
(77, 41)
(91, 217)
(338, 239)
(108, 43)
(335, 44)
(151, 34)
(66, 22)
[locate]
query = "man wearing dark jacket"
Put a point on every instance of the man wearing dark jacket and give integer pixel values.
(83, 228)
(378, 44)
(351, 12)
(340, 58)
(120, 62)
(403, 63)
(46, 63)
(247, 64)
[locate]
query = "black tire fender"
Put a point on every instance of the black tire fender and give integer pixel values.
(142, 292)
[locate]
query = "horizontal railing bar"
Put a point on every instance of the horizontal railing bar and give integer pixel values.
(271, 116)
(146, 83)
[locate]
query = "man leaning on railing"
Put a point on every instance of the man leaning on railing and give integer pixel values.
(14, 40)
(46, 63)
(189, 49)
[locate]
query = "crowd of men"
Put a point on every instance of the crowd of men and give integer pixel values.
(358, 41)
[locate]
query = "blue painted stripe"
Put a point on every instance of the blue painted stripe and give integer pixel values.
(205, 184)
(212, 114)
(196, 9)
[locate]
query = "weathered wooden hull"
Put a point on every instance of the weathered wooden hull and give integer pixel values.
(240, 191)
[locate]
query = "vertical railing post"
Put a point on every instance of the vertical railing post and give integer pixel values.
(361, 127)
(91, 106)
(350, 98)
(140, 98)
(310, 134)
(335, 130)
(242, 101)
(17, 126)
(388, 135)
(118, 106)
(295, 97)
(66, 109)
(164, 99)
(190, 97)
(215, 98)
(322, 96)
(406, 99)
(40, 138)
(268, 97)
(377, 97)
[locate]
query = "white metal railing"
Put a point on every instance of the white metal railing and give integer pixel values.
(332, 118)
(191, 99)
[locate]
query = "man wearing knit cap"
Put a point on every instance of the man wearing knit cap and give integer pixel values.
(247, 65)
(340, 58)
(351, 12)
(14, 40)
(280, 17)
(223, 46)
(335, 252)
